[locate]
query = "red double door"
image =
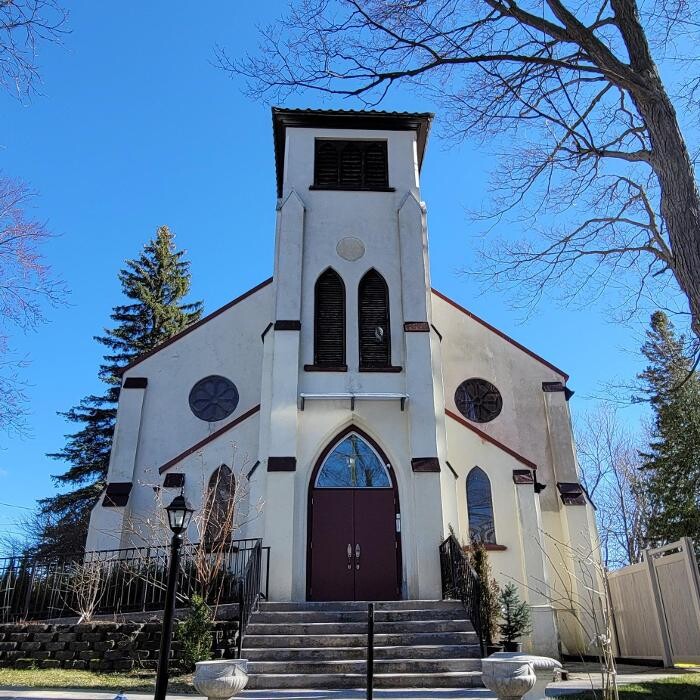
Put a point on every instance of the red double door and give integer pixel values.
(353, 546)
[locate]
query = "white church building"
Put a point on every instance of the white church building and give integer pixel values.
(364, 414)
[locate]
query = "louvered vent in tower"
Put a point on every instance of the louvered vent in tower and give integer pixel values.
(350, 165)
(329, 320)
(373, 309)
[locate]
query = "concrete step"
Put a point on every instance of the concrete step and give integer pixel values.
(288, 616)
(360, 666)
(317, 628)
(361, 605)
(438, 651)
(450, 679)
(355, 640)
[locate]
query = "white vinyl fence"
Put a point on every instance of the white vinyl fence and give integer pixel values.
(656, 605)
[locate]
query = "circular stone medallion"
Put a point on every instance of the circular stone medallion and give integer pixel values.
(213, 398)
(350, 248)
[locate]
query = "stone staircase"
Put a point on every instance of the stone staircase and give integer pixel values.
(417, 644)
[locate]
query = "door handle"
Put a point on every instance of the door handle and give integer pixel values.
(349, 557)
(357, 557)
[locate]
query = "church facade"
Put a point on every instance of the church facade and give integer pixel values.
(363, 414)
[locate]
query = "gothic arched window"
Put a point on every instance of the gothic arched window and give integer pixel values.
(219, 508)
(353, 464)
(480, 507)
(373, 312)
(329, 320)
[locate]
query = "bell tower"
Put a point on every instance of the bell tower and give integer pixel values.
(351, 342)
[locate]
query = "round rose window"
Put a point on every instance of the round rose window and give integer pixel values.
(478, 400)
(213, 398)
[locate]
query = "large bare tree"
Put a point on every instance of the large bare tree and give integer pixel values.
(595, 166)
(26, 282)
(611, 472)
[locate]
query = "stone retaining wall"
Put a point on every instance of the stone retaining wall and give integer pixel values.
(104, 646)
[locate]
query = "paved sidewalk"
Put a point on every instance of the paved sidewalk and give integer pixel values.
(582, 677)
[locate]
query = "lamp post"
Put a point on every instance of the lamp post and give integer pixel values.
(179, 516)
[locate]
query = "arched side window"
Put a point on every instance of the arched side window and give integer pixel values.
(480, 507)
(219, 509)
(353, 464)
(373, 311)
(329, 320)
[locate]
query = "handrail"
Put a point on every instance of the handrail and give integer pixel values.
(370, 650)
(117, 581)
(460, 581)
(248, 593)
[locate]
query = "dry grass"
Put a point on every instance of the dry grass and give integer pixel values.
(69, 678)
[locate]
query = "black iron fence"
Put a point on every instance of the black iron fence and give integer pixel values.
(128, 580)
(460, 582)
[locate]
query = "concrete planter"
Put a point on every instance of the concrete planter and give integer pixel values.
(543, 666)
(222, 679)
(510, 680)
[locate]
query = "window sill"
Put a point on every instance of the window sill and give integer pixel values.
(351, 189)
(490, 547)
(321, 368)
(391, 369)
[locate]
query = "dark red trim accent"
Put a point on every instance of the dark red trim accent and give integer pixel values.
(572, 493)
(208, 439)
(266, 331)
(117, 494)
(416, 327)
(319, 188)
(552, 386)
(281, 464)
(437, 332)
(425, 464)
(492, 440)
(287, 325)
(194, 326)
(523, 476)
(321, 368)
(329, 446)
(390, 369)
(449, 466)
(489, 547)
(174, 480)
(135, 383)
(501, 334)
(252, 471)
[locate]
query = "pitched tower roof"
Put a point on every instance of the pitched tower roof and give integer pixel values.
(345, 119)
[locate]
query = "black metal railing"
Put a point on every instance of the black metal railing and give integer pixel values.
(460, 582)
(249, 592)
(370, 651)
(121, 580)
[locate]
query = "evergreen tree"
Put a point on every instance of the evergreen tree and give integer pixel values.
(672, 386)
(155, 284)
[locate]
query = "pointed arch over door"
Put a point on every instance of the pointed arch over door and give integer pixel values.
(219, 509)
(354, 547)
(373, 317)
(482, 527)
(329, 321)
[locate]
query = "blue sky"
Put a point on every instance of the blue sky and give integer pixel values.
(136, 128)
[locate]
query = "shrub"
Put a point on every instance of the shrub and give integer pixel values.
(490, 607)
(515, 615)
(195, 633)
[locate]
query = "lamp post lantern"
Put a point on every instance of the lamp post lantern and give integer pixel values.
(179, 516)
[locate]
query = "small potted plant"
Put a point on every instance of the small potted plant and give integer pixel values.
(515, 618)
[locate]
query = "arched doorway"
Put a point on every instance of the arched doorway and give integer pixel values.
(354, 548)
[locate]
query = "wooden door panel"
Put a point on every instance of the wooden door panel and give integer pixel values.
(331, 533)
(375, 533)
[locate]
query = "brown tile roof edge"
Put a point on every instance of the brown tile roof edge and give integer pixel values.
(501, 334)
(345, 119)
(196, 325)
(492, 440)
(202, 443)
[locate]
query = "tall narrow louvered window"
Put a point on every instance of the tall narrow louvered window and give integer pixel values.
(329, 320)
(351, 165)
(373, 310)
